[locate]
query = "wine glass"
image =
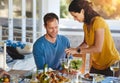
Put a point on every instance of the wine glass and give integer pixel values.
(65, 64)
(115, 67)
(14, 78)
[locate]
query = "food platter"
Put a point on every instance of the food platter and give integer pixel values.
(87, 76)
(90, 77)
(55, 77)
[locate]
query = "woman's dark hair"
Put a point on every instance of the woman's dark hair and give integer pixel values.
(77, 5)
(50, 17)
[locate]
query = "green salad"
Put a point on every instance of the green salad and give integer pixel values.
(76, 64)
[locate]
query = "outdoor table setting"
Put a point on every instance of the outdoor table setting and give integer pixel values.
(23, 76)
(70, 73)
(28, 76)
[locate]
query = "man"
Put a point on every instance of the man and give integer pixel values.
(50, 48)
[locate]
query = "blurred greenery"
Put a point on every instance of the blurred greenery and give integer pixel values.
(64, 9)
(109, 9)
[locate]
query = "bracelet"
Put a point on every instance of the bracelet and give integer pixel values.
(78, 50)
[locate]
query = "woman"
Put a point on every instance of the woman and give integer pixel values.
(97, 38)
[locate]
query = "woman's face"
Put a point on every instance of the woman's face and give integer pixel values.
(78, 16)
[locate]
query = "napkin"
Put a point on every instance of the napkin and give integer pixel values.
(111, 80)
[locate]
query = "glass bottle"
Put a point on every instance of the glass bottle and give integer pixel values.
(34, 75)
(45, 78)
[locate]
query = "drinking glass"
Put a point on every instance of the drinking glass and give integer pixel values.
(14, 78)
(65, 63)
(115, 67)
(34, 74)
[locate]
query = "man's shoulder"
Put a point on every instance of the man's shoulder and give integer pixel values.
(62, 36)
(39, 40)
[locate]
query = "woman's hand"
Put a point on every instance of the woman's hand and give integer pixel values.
(71, 51)
(3, 72)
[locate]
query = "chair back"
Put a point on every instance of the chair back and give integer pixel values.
(3, 63)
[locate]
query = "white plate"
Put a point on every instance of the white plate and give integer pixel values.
(98, 77)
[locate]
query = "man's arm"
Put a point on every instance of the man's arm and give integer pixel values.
(38, 56)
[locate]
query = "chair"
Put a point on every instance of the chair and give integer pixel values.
(3, 63)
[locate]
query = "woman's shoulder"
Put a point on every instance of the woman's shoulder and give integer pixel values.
(99, 21)
(99, 18)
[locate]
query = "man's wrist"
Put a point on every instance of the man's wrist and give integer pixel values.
(78, 50)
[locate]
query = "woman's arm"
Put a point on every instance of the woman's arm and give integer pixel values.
(98, 43)
(74, 50)
(83, 44)
(95, 48)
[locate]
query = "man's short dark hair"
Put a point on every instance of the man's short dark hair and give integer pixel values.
(50, 17)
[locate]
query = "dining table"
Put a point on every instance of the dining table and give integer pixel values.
(78, 78)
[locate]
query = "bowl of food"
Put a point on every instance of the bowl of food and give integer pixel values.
(76, 63)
